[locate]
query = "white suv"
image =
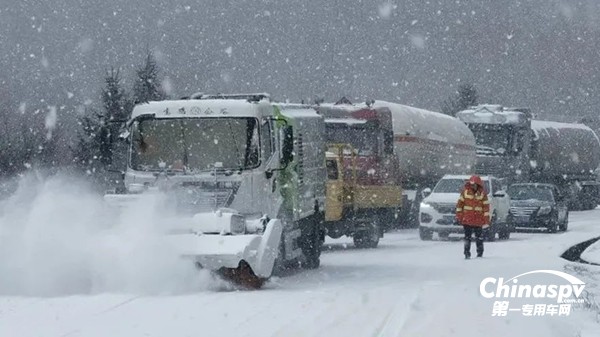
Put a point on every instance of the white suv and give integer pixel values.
(437, 210)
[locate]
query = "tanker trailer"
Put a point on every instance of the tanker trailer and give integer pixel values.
(511, 145)
(567, 155)
(414, 147)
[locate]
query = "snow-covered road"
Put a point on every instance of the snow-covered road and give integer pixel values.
(406, 287)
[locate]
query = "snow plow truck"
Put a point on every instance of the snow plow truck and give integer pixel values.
(245, 175)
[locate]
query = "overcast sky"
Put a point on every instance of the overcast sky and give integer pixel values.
(539, 53)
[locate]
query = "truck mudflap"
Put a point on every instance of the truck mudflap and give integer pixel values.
(231, 254)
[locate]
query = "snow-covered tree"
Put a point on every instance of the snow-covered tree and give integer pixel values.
(115, 100)
(100, 129)
(147, 86)
(465, 96)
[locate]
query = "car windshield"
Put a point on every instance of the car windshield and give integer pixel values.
(195, 144)
(530, 193)
(455, 185)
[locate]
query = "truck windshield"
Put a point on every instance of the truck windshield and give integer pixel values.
(530, 193)
(455, 185)
(364, 140)
(195, 144)
(491, 139)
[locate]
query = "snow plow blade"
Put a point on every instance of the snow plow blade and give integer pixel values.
(246, 259)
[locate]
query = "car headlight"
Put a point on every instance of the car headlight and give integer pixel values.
(544, 210)
(426, 218)
(425, 205)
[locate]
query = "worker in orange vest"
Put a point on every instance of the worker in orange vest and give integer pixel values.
(473, 213)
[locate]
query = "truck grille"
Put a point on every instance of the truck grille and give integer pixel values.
(522, 211)
(196, 200)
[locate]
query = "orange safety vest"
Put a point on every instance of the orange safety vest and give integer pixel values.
(473, 208)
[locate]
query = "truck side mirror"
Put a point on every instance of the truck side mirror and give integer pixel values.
(287, 148)
(124, 137)
(499, 194)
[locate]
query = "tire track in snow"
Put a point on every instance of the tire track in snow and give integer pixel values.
(120, 304)
(349, 312)
(394, 321)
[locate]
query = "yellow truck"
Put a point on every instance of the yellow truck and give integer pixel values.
(356, 207)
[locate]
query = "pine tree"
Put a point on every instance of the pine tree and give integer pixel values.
(465, 96)
(116, 111)
(114, 97)
(100, 129)
(147, 86)
(89, 141)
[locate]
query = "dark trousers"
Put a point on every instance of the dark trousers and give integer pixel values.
(478, 239)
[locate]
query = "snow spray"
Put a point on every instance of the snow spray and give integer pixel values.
(58, 237)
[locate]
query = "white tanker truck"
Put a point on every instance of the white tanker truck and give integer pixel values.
(512, 145)
(401, 145)
(245, 176)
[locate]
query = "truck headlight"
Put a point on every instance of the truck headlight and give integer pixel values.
(425, 205)
(222, 222)
(544, 210)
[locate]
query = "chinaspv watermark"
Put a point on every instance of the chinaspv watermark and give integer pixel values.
(550, 299)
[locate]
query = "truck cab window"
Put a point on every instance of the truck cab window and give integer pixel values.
(332, 169)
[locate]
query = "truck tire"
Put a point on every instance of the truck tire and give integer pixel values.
(367, 238)
(425, 234)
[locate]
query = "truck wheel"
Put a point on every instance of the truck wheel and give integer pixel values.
(367, 239)
(425, 234)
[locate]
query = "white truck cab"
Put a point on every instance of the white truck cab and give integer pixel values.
(437, 210)
(245, 176)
